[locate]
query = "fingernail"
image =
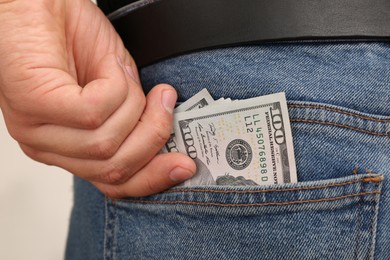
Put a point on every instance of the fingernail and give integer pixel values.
(169, 100)
(180, 174)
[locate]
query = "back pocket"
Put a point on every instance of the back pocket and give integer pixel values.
(331, 219)
(329, 214)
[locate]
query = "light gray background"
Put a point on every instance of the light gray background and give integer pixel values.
(35, 204)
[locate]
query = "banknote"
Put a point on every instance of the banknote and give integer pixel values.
(240, 142)
(198, 101)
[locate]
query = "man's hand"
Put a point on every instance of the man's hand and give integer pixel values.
(71, 96)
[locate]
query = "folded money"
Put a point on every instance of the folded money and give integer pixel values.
(240, 143)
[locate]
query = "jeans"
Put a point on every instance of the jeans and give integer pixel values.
(339, 106)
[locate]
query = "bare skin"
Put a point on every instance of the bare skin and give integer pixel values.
(71, 97)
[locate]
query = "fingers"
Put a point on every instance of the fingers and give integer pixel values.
(63, 102)
(135, 170)
(163, 172)
(144, 142)
(78, 104)
(150, 134)
(130, 65)
(101, 143)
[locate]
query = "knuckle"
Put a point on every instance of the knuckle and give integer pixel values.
(15, 134)
(160, 136)
(137, 95)
(20, 127)
(103, 149)
(92, 120)
(159, 129)
(33, 154)
(115, 175)
(150, 187)
(142, 101)
(162, 132)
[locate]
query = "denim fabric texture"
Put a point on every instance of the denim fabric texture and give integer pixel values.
(86, 231)
(339, 107)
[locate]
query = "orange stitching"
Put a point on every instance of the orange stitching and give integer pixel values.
(340, 125)
(339, 111)
(254, 204)
(355, 171)
(270, 190)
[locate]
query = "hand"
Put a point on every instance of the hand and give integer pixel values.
(71, 96)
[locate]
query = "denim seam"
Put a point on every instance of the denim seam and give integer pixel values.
(375, 209)
(115, 232)
(106, 239)
(371, 230)
(340, 111)
(358, 223)
(339, 125)
(252, 204)
(109, 231)
(365, 180)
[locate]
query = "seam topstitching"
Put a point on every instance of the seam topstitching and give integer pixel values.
(268, 190)
(252, 204)
(339, 111)
(341, 125)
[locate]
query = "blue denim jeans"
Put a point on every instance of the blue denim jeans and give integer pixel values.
(339, 105)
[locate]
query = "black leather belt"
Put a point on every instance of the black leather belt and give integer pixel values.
(156, 29)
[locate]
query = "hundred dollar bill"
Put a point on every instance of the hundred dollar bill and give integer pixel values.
(246, 142)
(198, 101)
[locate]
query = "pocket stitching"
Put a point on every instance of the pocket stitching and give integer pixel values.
(339, 111)
(255, 204)
(341, 125)
(363, 180)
